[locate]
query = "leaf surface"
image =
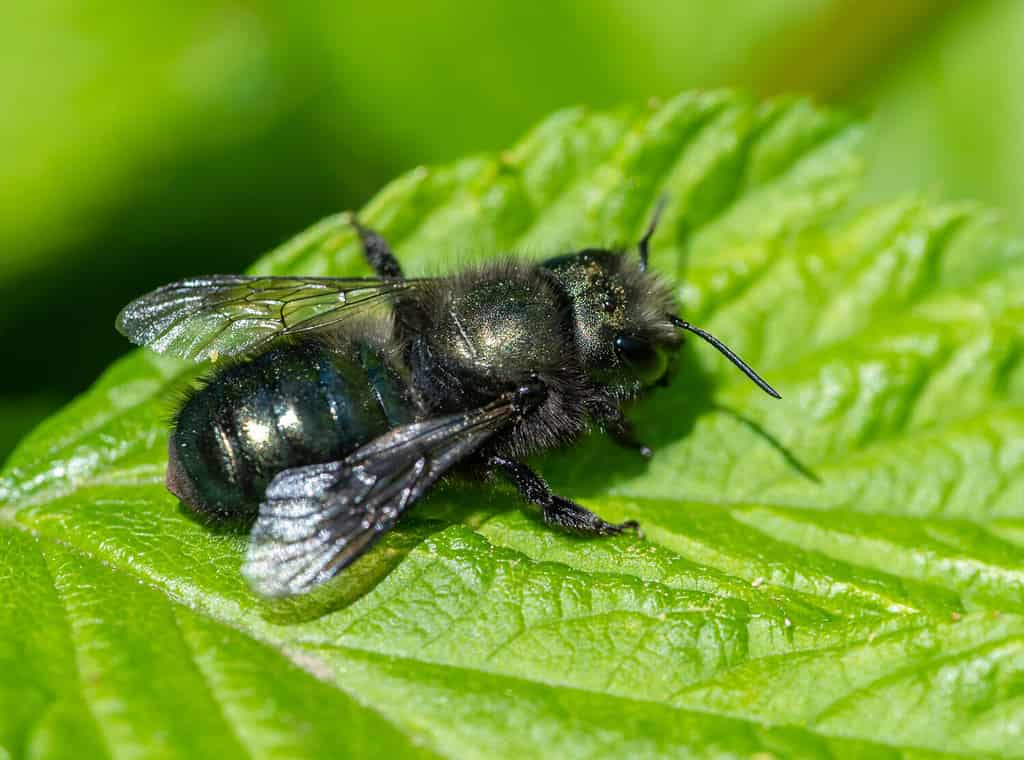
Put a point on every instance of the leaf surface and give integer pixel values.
(836, 574)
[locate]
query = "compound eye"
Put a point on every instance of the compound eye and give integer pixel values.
(647, 361)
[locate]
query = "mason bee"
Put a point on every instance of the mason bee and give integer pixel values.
(331, 416)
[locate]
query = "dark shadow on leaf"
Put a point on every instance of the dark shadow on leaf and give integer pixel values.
(775, 443)
(355, 582)
(660, 418)
(216, 525)
(454, 502)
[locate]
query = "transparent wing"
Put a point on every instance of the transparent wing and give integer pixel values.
(317, 520)
(225, 315)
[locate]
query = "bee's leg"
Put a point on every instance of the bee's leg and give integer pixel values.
(556, 510)
(377, 251)
(621, 431)
(625, 436)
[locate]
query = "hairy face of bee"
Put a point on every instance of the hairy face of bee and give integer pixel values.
(624, 337)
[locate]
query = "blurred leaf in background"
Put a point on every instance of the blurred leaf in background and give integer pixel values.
(151, 141)
(949, 118)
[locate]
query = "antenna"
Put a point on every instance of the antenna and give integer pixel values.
(728, 352)
(645, 242)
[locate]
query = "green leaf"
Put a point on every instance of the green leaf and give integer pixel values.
(836, 574)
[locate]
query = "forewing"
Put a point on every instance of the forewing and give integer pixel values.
(317, 520)
(226, 315)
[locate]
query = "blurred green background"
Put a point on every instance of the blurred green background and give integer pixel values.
(148, 141)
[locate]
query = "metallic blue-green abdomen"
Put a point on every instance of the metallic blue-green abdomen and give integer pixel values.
(293, 405)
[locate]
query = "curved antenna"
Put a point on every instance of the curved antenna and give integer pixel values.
(728, 352)
(645, 242)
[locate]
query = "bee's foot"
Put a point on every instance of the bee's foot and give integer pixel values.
(631, 525)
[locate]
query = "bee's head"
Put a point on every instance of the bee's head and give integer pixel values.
(623, 335)
(627, 334)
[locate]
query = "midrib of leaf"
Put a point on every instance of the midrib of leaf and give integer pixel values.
(309, 658)
(222, 612)
(241, 621)
(749, 187)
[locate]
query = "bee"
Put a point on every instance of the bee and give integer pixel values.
(343, 400)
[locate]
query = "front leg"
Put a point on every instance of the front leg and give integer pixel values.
(621, 430)
(378, 253)
(556, 510)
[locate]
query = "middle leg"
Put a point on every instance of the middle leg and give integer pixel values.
(621, 430)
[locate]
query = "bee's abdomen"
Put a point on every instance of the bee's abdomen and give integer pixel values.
(293, 405)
